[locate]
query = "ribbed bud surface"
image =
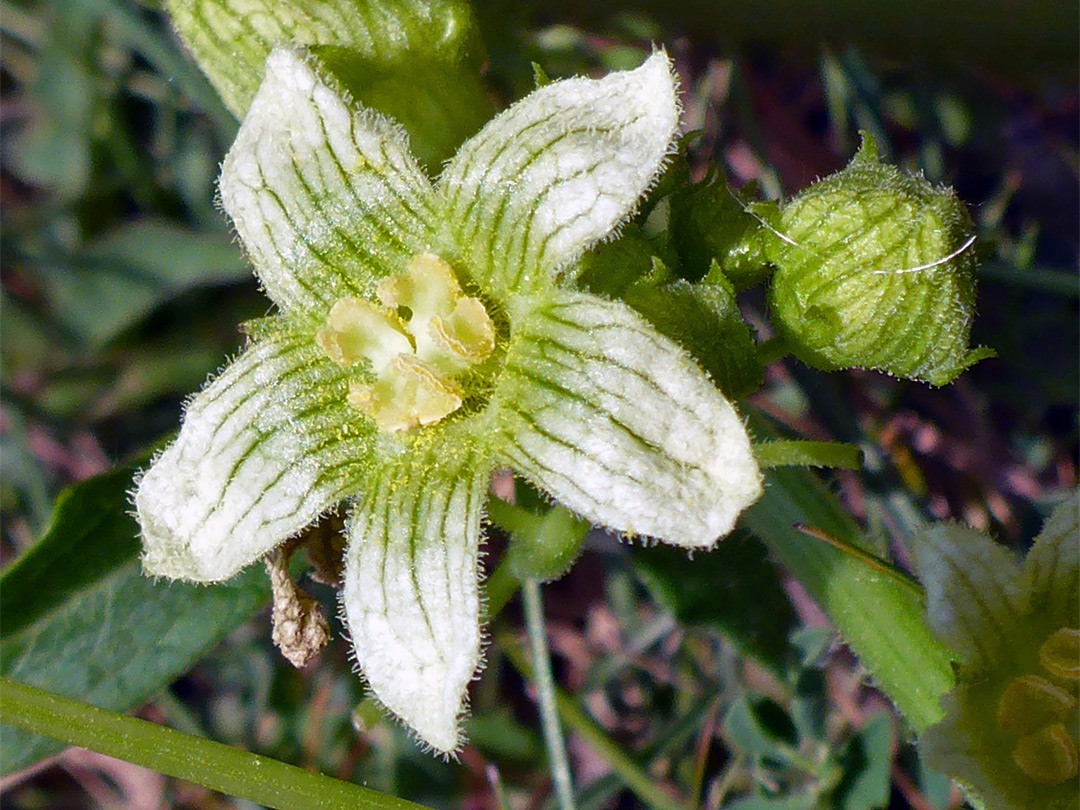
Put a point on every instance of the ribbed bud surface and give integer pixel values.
(875, 269)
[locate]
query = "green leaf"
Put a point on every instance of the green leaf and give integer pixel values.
(543, 547)
(867, 763)
(760, 727)
(795, 801)
(129, 24)
(706, 321)
(53, 150)
(715, 233)
(499, 734)
(81, 620)
(438, 104)
(879, 615)
(230, 39)
(135, 268)
(734, 589)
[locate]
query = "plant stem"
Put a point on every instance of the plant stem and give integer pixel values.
(636, 779)
(771, 350)
(545, 688)
(802, 453)
(219, 767)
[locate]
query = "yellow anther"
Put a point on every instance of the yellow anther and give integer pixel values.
(468, 333)
(452, 331)
(1030, 702)
(415, 355)
(1048, 756)
(1060, 654)
(408, 395)
(430, 287)
(356, 329)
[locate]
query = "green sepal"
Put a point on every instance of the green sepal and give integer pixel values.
(703, 317)
(875, 269)
(611, 267)
(542, 547)
(540, 76)
(230, 39)
(705, 320)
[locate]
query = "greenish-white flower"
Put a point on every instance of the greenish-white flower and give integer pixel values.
(427, 334)
(1012, 725)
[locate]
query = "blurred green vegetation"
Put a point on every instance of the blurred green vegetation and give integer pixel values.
(122, 288)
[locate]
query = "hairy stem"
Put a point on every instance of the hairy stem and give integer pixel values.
(219, 767)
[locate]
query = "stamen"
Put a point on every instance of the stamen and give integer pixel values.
(413, 362)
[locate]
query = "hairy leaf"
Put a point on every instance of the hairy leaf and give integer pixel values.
(81, 620)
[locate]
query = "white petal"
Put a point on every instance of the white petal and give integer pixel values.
(974, 598)
(1052, 565)
(411, 597)
(263, 450)
(325, 195)
(557, 171)
(620, 425)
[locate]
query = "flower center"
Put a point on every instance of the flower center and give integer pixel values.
(1035, 710)
(417, 342)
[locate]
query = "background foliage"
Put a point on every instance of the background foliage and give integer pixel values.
(718, 679)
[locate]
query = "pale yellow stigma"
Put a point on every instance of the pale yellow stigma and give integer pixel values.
(424, 333)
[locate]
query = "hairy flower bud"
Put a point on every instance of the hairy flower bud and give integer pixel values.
(875, 269)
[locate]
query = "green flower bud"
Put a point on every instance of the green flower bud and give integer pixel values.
(875, 269)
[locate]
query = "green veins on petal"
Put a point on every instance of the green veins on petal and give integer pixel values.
(429, 332)
(261, 455)
(325, 196)
(411, 593)
(618, 423)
